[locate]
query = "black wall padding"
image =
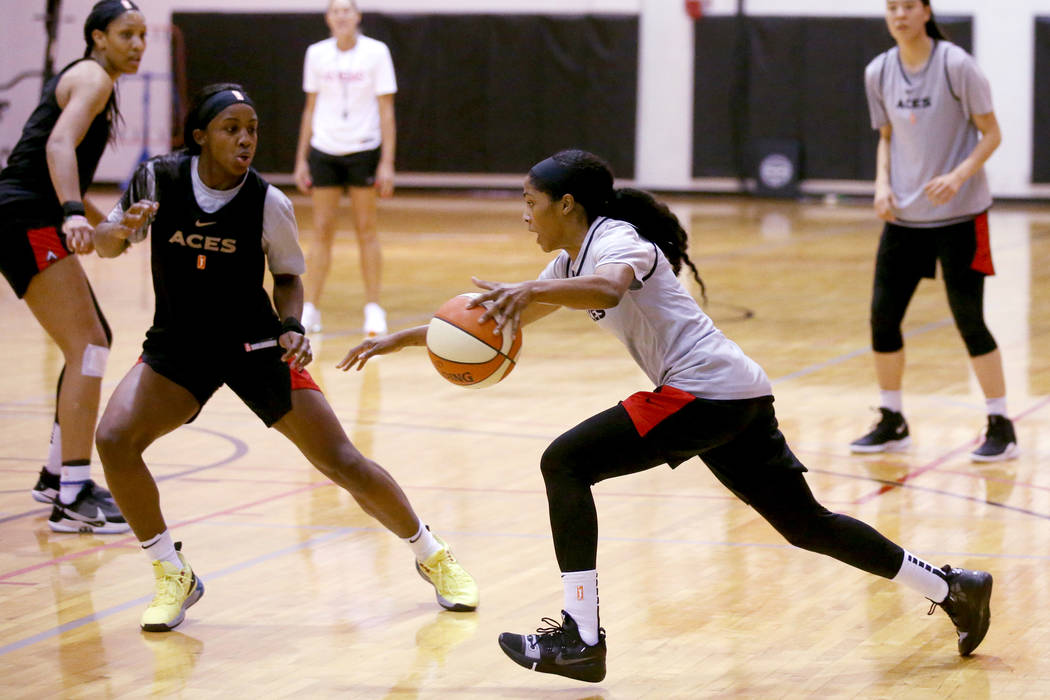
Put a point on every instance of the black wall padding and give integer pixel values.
(797, 78)
(1041, 107)
(476, 93)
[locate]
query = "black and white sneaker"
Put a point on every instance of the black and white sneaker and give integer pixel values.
(47, 486)
(967, 604)
(890, 434)
(93, 510)
(557, 649)
(1000, 441)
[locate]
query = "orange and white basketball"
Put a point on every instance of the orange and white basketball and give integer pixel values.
(466, 352)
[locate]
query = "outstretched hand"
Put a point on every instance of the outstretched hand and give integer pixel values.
(370, 347)
(139, 215)
(504, 302)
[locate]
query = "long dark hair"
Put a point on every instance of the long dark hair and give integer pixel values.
(100, 17)
(932, 30)
(195, 117)
(589, 179)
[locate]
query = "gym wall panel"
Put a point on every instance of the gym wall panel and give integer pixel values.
(1041, 103)
(476, 93)
(794, 78)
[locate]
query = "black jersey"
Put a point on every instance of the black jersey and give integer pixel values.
(26, 177)
(208, 268)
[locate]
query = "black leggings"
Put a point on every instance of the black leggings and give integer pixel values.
(741, 444)
(905, 256)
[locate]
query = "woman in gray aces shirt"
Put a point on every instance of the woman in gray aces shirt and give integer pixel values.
(932, 107)
(620, 254)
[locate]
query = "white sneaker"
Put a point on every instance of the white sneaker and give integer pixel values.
(311, 318)
(375, 320)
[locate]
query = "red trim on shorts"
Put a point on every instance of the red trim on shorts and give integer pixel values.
(47, 246)
(982, 257)
(301, 379)
(648, 409)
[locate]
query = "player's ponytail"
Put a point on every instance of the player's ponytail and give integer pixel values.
(932, 30)
(654, 221)
(589, 179)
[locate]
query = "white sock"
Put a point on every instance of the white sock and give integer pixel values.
(54, 451)
(424, 545)
(996, 407)
(73, 478)
(892, 400)
(923, 577)
(581, 601)
(161, 548)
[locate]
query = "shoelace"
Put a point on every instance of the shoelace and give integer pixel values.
(444, 572)
(553, 628)
(169, 588)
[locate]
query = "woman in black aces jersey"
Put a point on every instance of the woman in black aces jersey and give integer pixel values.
(43, 218)
(215, 225)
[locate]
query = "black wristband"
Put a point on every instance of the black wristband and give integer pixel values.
(292, 324)
(72, 208)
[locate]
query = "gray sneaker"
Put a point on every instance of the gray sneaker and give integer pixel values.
(93, 510)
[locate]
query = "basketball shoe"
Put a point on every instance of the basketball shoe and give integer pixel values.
(967, 604)
(557, 649)
(93, 510)
(375, 320)
(890, 434)
(47, 487)
(456, 589)
(1000, 441)
(176, 590)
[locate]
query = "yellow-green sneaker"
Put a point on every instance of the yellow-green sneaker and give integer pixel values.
(455, 588)
(176, 590)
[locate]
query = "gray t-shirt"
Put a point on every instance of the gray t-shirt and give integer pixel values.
(664, 329)
(931, 114)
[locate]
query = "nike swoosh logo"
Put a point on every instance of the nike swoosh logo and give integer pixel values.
(560, 661)
(98, 520)
(201, 224)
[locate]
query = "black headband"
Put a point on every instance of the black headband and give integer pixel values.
(212, 106)
(552, 175)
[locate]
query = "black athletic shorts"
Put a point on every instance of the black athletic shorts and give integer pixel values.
(259, 378)
(353, 170)
(29, 244)
(915, 251)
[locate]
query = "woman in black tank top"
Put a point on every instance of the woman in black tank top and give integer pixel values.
(206, 213)
(43, 219)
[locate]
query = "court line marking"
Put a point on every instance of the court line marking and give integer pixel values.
(130, 539)
(240, 448)
(121, 607)
(933, 464)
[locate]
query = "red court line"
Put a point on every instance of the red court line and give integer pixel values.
(942, 459)
(125, 541)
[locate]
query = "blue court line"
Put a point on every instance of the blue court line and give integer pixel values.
(240, 448)
(856, 353)
(109, 612)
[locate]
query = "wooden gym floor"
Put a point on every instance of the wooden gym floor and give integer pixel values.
(307, 597)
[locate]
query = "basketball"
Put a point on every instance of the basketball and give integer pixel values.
(468, 353)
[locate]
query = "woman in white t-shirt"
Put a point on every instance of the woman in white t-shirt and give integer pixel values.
(621, 251)
(346, 141)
